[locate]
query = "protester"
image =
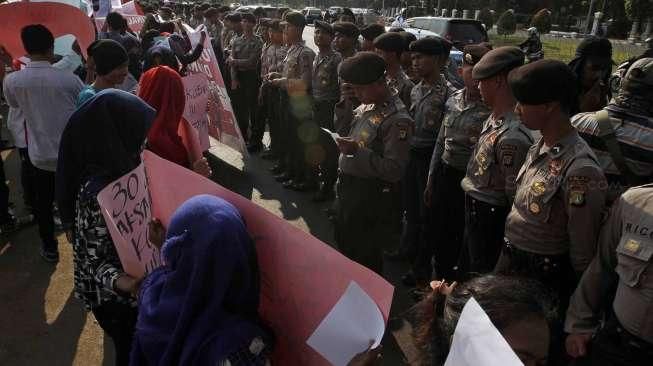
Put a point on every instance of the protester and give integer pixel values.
(163, 89)
(181, 45)
(532, 46)
(201, 307)
(108, 60)
(345, 40)
(519, 308)
(46, 96)
(593, 66)
(160, 55)
(115, 29)
(101, 143)
(373, 158)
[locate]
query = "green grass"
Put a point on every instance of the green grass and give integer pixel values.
(564, 48)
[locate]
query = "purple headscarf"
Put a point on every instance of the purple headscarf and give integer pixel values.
(202, 305)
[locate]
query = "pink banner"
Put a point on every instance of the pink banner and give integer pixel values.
(301, 277)
(222, 121)
(196, 88)
(126, 206)
(135, 22)
(60, 19)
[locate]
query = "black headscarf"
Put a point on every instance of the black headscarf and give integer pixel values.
(102, 142)
(108, 55)
(594, 48)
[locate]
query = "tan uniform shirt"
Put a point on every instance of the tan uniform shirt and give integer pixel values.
(325, 76)
(383, 133)
(625, 246)
(427, 108)
(246, 54)
(298, 68)
(461, 126)
(401, 85)
(272, 56)
(559, 202)
(497, 157)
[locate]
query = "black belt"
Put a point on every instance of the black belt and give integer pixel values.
(613, 328)
(529, 261)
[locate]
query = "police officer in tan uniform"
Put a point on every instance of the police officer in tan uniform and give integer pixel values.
(369, 33)
(372, 160)
(244, 62)
(390, 46)
(465, 113)
(489, 183)
(295, 80)
(344, 42)
(624, 260)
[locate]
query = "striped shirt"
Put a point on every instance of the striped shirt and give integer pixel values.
(635, 136)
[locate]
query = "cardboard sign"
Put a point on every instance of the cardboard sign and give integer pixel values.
(127, 209)
(302, 278)
(222, 121)
(196, 88)
(60, 19)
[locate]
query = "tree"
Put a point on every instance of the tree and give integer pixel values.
(507, 24)
(542, 21)
(486, 17)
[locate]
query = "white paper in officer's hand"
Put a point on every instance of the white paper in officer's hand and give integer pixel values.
(349, 327)
(334, 135)
(477, 341)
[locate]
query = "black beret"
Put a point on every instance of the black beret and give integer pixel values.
(392, 42)
(248, 17)
(294, 18)
(259, 11)
(108, 55)
(370, 32)
(224, 9)
(543, 81)
(431, 45)
(233, 17)
(408, 39)
(324, 26)
(347, 11)
(274, 25)
(346, 28)
(498, 60)
(396, 29)
(472, 53)
(362, 69)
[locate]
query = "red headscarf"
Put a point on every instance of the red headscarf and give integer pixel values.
(161, 87)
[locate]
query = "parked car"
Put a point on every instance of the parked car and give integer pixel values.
(459, 31)
(312, 14)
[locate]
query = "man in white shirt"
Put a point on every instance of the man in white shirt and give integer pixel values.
(46, 96)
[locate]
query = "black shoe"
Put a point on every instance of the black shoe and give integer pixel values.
(254, 148)
(277, 169)
(48, 256)
(323, 195)
(282, 178)
(409, 279)
(394, 256)
(268, 155)
(289, 183)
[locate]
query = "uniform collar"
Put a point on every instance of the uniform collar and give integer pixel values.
(562, 146)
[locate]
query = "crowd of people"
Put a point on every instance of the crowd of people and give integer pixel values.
(523, 185)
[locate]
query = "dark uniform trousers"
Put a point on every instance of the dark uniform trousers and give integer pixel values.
(302, 133)
(615, 346)
(267, 112)
(246, 100)
(363, 225)
(483, 235)
(445, 223)
(412, 187)
(325, 154)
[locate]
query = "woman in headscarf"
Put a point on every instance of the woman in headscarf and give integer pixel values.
(108, 63)
(102, 142)
(201, 307)
(163, 89)
(593, 66)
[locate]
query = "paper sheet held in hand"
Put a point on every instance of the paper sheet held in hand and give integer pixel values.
(476, 342)
(349, 327)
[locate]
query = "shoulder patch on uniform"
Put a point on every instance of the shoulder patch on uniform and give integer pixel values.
(577, 198)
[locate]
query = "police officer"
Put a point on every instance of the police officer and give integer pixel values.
(369, 33)
(407, 57)
(244, 62)
(373, 159)
(621, 134)
(272, 56)
(624, 259)
(428, 99)
(295, 81)
(231, 29)
(554, 222)
(326, 92)
(465, 113)
(499, 153)
(346, 38)
(390, 46)
(344, 42)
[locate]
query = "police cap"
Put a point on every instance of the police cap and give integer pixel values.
(431, 45)
(542, 82)
(294, 18)
(498, 60)
(370, 32)
(233, 17)
(248, 17)
(362, 69)
(392, 42)
(274, 25)
(324, 26)
(472, 53)
(408, 39)
(347, 29)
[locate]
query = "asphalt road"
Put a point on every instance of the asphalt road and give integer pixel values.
(43, 324)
